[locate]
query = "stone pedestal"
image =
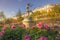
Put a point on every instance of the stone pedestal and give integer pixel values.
(28, 23)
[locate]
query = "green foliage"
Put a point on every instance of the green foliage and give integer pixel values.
(19, 13)
(19, 33)
(2, 14)
(57, 8)
(35, 14)
(8, 21)
(20, 19)
(0, 28)
(15, 34)
(52, 14)
(36, 33)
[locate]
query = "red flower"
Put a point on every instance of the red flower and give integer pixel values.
(27, 37)
(13, 27)
(39, 25)
(46, 26)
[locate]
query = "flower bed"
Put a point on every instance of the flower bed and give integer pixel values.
(41, 32)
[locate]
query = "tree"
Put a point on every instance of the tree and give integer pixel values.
(18, 13)
(2, 14)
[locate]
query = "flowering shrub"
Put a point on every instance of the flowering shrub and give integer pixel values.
(1, 33)
(42, 32)
(40, 24)
(15, 34)
(13, 27)
(3, 28)
(0, 28)
(27, 37)
(42, 38)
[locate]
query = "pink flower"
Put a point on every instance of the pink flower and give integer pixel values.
(33, 26)
(42, 38)
(27, 37)
(1, 33)
(40, 25)
(46, 26)
(3, 28)
(13, 27)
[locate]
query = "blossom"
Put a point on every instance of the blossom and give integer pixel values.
(4, 27)
(13, 27)
(1, 33)
(42, 38)
(46, 26)
(27, 37)
(40, 25)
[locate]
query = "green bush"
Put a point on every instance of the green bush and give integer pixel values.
(0, 28)
(19, 33)
(15, 34)
(36, 33)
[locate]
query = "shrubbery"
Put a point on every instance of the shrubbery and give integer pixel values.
(36, 33)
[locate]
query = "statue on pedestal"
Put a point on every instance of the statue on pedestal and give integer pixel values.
(28, 20)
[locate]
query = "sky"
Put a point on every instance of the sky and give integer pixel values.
(11, 7)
